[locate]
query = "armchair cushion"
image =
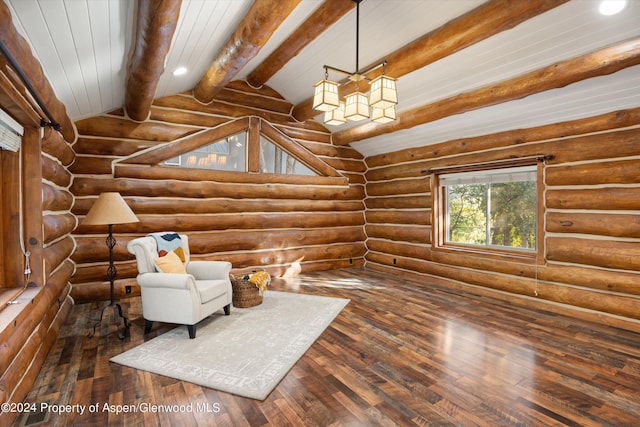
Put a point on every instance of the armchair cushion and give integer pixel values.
(211, 289)
(170, 263)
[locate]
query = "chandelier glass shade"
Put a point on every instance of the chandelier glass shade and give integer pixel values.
(379, 104)
(383, 92)
(356, 107)
(383, 115)
(326, 96)
(335, 116)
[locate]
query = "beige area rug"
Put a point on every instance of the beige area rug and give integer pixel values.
(246, 353)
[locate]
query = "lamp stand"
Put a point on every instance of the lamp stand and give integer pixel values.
(117, 310)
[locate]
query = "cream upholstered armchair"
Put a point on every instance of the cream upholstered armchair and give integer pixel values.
(174, 291)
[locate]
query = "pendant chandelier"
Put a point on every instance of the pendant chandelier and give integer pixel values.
(379, 105)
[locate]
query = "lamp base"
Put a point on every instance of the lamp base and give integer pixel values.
(123, 331)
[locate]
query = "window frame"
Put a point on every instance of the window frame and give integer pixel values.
(439, 212)
(282, 150)
(204, 148)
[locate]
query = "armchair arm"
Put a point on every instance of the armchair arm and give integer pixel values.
(166, 280)
(203, 270)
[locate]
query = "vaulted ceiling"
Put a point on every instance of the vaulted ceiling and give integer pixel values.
(464, 67)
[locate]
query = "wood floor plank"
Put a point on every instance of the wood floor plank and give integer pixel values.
(401, 353)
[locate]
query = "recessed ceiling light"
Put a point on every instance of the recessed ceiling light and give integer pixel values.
(180, 71)
(611, 7)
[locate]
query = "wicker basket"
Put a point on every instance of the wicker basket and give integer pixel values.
(245, 294)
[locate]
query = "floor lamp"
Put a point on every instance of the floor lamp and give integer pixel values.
(110, 209)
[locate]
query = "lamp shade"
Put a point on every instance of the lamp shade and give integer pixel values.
(356, 107)
(383, 92)
(110, 208)
(383, 115)
(325, 97)
(336, 116)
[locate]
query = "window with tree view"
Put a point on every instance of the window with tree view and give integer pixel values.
(494, 209)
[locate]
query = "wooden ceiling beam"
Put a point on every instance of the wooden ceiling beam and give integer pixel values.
(258, 25)
(560, 74)
(325, 16)
(20, 50)
(156, 22)
(484, 21)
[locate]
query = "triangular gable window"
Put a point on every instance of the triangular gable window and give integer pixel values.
(227, 154)
(230, 154)
(245, 145)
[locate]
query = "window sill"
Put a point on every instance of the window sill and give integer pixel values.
(499, 255)
(10, 313)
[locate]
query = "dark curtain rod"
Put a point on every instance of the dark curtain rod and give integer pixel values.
(505, 162)
(52, 121)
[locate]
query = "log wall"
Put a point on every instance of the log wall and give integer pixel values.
(280, 223)
(46, 301)
(29, 328)
(590, 227)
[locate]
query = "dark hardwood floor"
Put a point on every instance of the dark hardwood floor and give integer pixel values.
(400, 353)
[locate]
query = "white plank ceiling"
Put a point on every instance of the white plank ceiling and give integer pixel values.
(83, 46)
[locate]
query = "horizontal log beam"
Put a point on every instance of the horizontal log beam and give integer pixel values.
(56, 254)
(56, 226)
(411, 217)
(607, 198)
(55, 145)
(327, 14)
(401, 202)
(93, 249)
(243, 241)
(89, 165)
(598, 63)
(84, 186)
(419, 185)
(612, 172)
(600, 123)
(248, 99)
(279, 257)
(614, 225)
(156, 22)
(101, 291)
(624, 255)
(55, 172)
(622, 143)
(185, 117)
(121, 127)
(253, 221)
(97, 272)
(404, 233)
(250, 36)
(399, 249)
(484, 21)
(162, 206)
(197, 175)
(54, 199)
(111, 146)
